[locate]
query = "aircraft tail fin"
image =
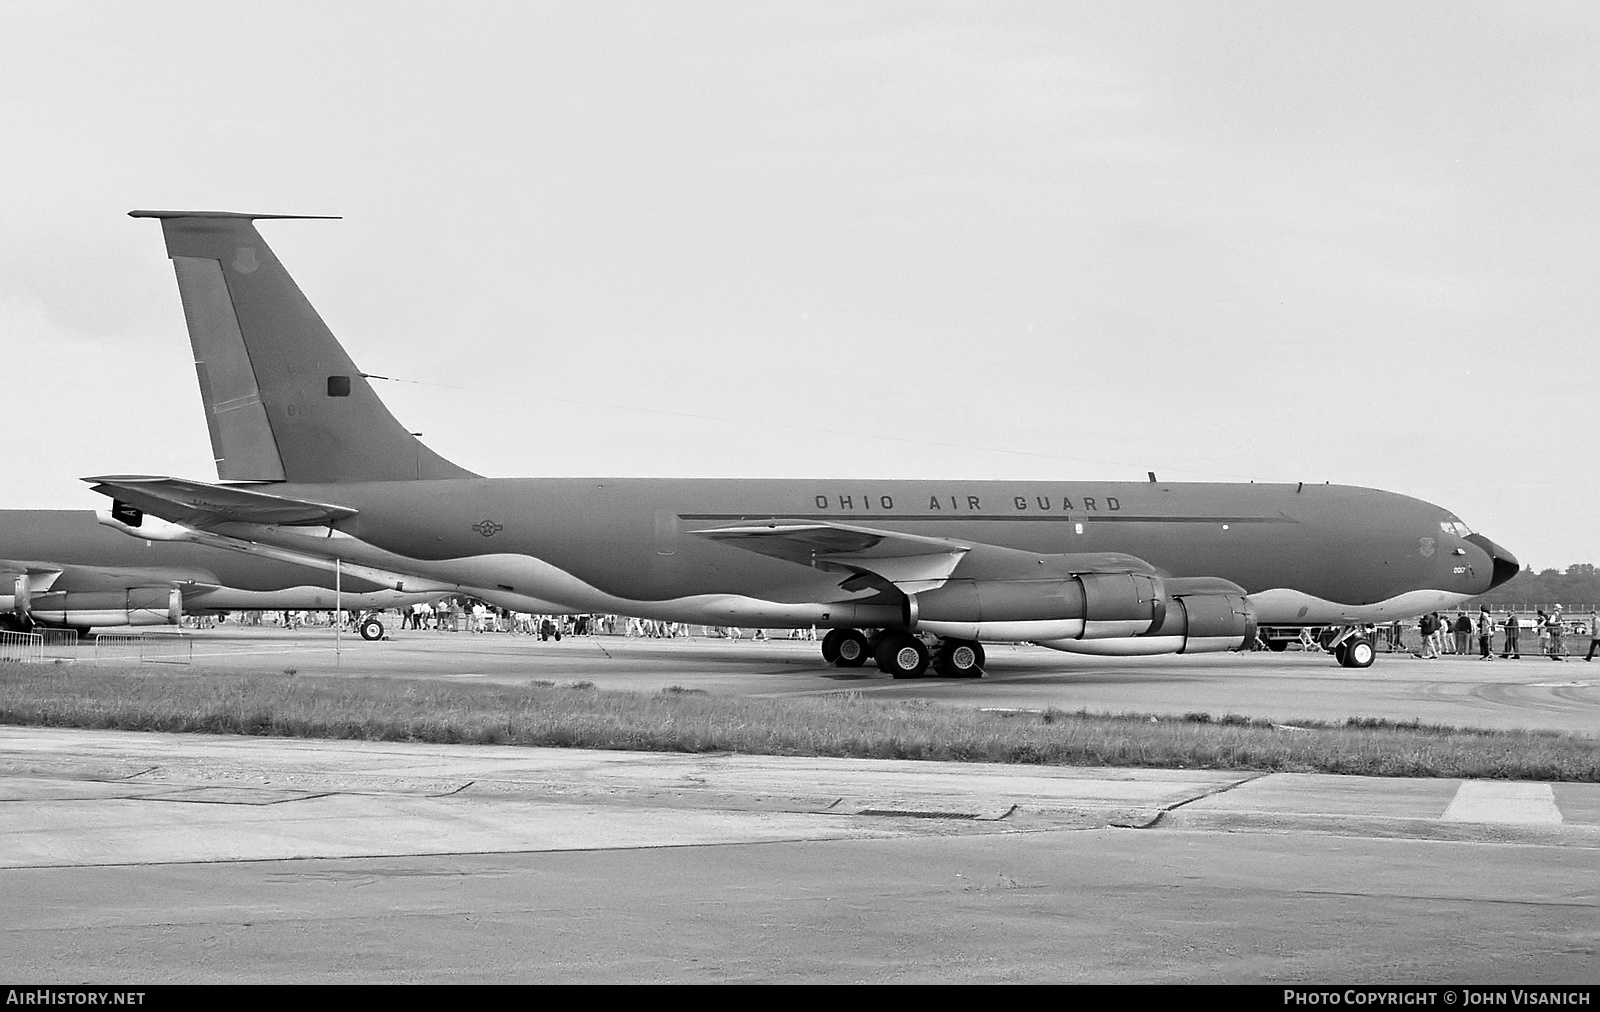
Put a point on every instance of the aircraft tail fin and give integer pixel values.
(283, 400)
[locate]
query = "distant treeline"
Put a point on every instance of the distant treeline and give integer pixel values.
(1578, 587)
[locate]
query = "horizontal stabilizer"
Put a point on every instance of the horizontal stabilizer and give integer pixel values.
(227, 214)
(198, 504)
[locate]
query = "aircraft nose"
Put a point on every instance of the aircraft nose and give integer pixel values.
(1505, 564)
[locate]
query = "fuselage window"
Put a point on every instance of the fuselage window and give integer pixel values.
(338, 386)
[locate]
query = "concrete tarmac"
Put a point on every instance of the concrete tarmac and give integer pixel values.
(148, 858)
(1533, 693)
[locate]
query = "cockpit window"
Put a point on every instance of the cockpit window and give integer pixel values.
(1455, 527)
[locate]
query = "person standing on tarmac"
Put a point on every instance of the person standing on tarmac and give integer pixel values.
(1594, 633)
(1429, 628)
(1485, 632)
(1553, 623)
(1463, 631)
(1512, 628)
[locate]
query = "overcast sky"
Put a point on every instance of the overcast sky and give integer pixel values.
(1221, 241)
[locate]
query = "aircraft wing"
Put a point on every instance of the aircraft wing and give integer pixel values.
(199, 504)
(32, 575)
(909, 561)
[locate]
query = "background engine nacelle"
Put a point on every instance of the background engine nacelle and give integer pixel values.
(136, 606)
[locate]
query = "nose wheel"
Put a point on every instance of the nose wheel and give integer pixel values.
(1355, 653)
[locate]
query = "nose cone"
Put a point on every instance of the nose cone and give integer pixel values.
(1505, 564)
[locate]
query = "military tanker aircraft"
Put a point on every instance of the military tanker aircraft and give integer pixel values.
(81, 569)
(911, 573)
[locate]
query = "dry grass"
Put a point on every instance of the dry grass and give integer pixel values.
(577, 715)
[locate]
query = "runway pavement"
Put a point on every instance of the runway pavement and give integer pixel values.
(148, 858)
(1530, 693)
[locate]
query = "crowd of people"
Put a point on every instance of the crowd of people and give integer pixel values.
(467, 615)
(1546, 634)
(470, 616)
(1445, 634)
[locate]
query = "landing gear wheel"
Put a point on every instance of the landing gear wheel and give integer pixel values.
(960, 659)
(830, 645)
(1357, 653)
(1277, 646)
(849, 650)
(903, 655)
(371, 628)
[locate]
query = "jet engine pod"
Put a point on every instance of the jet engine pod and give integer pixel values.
(1092, 606)
(1202, 615)
(1122, 604)
(1209, 623)
(136, 606)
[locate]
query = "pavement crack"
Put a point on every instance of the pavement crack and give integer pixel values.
(1210, 792)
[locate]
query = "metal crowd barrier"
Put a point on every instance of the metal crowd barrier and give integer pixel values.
(147, 648)
(19, 646)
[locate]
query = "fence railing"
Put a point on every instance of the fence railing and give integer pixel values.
(149, 648)
(20, 646)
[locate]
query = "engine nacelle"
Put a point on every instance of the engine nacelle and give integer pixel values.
(1194, 623)
(135, 606)
(1091, 606)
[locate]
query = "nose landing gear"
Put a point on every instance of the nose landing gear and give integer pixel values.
(1352, 649)
(371, 628)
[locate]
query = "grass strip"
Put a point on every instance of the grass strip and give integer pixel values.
(576, 715)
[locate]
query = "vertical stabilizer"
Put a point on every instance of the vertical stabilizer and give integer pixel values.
(283, 400)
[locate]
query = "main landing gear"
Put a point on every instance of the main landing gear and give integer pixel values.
(903, 655)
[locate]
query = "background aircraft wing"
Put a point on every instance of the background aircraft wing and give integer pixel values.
(198, 504)
(27, 574)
